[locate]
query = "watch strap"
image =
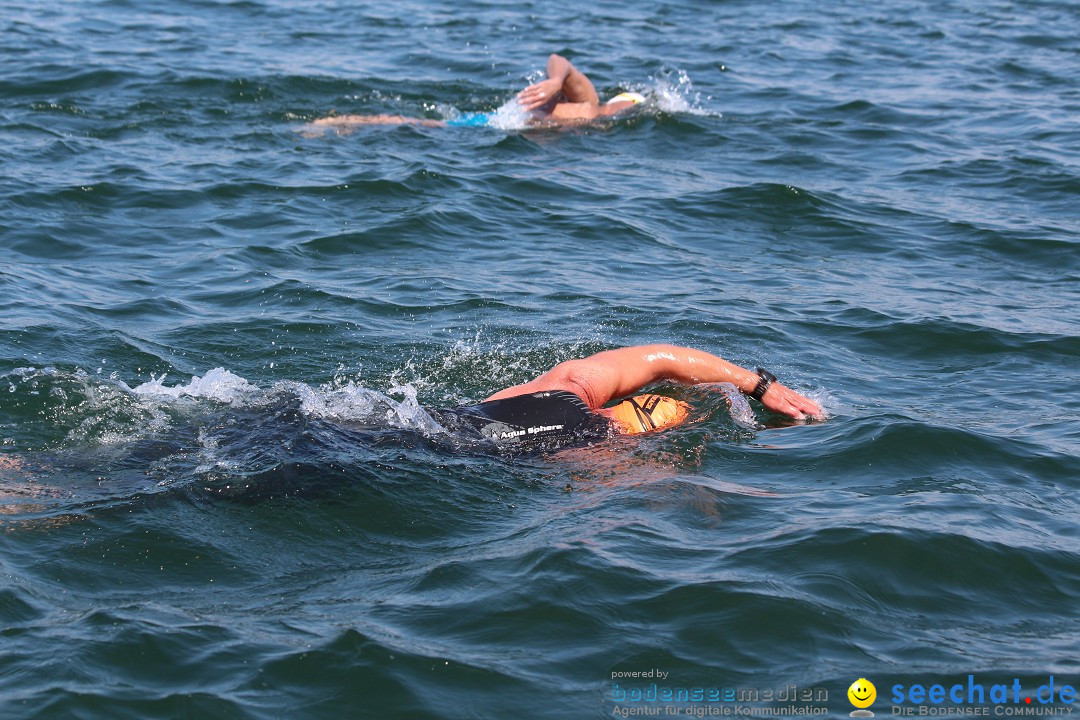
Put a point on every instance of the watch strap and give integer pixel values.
(765, 380)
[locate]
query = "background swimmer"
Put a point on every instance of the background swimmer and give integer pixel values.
(565, 97)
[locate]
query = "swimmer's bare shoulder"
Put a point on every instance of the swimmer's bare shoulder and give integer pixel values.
(573, 112)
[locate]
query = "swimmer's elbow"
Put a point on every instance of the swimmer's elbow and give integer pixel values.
(577, 377)
(559, 67)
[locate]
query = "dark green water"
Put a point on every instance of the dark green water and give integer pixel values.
(878, 203)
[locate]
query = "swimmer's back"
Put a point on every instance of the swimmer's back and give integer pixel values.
(533, 422)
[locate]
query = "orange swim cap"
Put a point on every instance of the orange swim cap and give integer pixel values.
(643, 413)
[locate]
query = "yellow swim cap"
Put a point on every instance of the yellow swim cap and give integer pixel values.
(627, 97)
(643, 413)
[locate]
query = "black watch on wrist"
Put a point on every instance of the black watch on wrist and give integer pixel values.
(766, 379)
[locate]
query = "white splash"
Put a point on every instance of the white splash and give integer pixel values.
(353, 403)
(826, 402)
(217, 384)
(741, 412)
(336, 401)
(672, 92)
(510, 116)
(409, 414)
(348, 402)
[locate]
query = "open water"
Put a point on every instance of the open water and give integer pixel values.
(221, 494)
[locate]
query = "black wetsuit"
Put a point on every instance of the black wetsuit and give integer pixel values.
(536, 422)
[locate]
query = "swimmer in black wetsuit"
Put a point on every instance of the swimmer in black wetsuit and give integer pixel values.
(565, 407)
(565, 97)
(567, 404)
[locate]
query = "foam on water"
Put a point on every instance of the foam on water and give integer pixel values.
(217, 384)
(341, 402)
(510, 116)
(354, 403)
(671, 91)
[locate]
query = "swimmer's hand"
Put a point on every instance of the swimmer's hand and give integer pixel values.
(540, 93)
(784, 400)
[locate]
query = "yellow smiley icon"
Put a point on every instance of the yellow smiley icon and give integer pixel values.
(862, 693)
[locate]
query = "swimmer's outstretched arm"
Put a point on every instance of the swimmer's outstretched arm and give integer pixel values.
(349, 120)
(562, 77)
(617, 373)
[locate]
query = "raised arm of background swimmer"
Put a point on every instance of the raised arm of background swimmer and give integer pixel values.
(616, 373)
(562, 77)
